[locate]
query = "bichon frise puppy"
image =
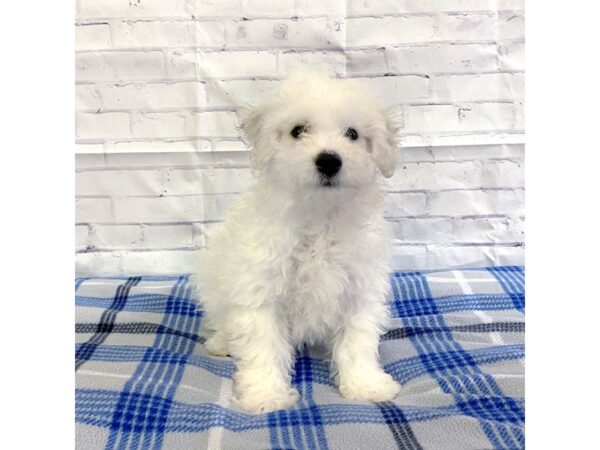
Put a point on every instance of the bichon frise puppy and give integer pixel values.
(303, 256)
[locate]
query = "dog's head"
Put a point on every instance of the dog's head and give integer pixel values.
(321, 133)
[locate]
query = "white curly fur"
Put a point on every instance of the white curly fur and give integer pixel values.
(299, 262)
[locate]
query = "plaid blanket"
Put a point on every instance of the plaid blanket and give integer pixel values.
(144, 379)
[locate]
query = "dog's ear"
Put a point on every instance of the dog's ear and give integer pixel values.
(252, 120)
(384, 146)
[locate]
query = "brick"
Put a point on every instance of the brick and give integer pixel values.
(513, 5)
(488, 230)
(199, 234)
(168, 34)
(92, 210)
(379, 32)
(87, 9)
(172, 209)
(424, 230)
(332, 63)
(505, 137)
(155, 152)
(89, 161)
(120, 182)
(231, 146)
(399, 89)
(217, 8)
(204, 156)
(370, 62)
(116, 236)
(168, 236)
(145, 125)
(141, 95)
(434, 175)
(512, 55)
(457, 175)
(92, 36)
(380, 7)
(88, 149)
(115, 66)
(519, 123)
(124, 262)
(81, 237)
(444, 256)
(409, 257)
(444, 58)
(471, 27)
(221, 64)
(477, 202)
(503, 173)
(511, 25)
(221, 124)
(405, 204)
(459, 118)
(438, 230)
(495, 86)
(99, 263)
(371, 31)
(269, 8)
(320, 8)
(237, 93)
(160, 261)
(285, 33)
(464, 152)
(102, 125)
(87, 97)
(206, 181)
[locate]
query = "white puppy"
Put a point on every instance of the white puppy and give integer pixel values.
(303, 256)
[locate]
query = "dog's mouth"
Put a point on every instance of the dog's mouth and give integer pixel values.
(328, 182)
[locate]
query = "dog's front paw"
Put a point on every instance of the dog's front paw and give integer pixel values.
(217, 345)
(260, 401)
(371, 386)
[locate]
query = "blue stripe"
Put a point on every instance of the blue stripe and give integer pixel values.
(107, 319)
(79, 282)
(408, 369)
(145, 302)
(470, 380)
(133, 353)
(512, 280)
(140, 416)
(144, 278)
(309, 371)
(403, 370)
(92, 404)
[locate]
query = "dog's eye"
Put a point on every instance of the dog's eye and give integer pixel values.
(351, 134)
(297, 131)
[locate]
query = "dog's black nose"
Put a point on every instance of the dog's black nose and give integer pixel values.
(328, 163)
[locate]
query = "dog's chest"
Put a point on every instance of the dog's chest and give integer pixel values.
(319, 284)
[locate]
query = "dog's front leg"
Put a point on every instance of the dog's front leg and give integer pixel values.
(355, 358)
(263, 354)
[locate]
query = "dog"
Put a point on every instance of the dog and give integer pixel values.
(303, 257)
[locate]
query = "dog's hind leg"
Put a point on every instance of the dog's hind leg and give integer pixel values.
(217, 344)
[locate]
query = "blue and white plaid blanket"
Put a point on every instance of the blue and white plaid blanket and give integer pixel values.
(144, 379)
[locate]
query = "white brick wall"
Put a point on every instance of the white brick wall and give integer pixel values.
(159, 86)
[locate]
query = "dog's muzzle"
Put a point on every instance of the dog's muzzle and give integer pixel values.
(328, 165)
